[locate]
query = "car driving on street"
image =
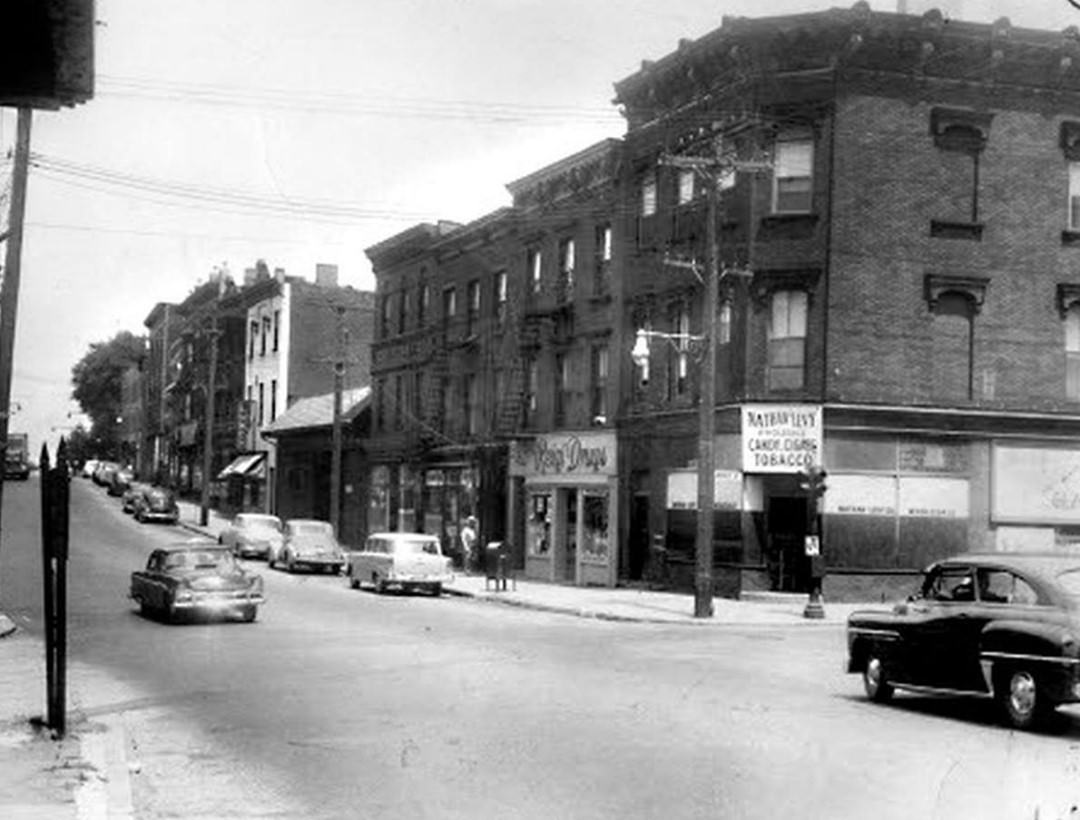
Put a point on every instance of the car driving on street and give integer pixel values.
(196, 578)
(1003, 626)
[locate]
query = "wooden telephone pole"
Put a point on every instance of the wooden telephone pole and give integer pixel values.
(9, 290)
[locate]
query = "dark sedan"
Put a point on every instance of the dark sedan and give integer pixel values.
(196, 578)
(1000, 625)
(156, 504)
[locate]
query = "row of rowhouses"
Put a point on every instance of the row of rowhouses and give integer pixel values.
(250, 357)
(902, 191)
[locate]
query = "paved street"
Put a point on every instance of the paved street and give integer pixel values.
(339, 703)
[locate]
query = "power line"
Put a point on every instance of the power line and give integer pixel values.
(348, 104)
(170, 193)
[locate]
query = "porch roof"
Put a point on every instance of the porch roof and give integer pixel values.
(314, 412)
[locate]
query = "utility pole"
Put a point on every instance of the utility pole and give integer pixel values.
(208, 432)
(9, 290)
(711, 169)
(335, 446)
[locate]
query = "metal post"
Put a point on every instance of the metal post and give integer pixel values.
(703, 545)
(9, 291)
(208, 433)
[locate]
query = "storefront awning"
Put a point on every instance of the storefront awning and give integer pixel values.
(250, 464)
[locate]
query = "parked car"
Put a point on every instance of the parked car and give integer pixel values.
(89, 468)
(309, 544)
(999, 625)
(156, 504)
(131, 495)
(406, 560)
(104, 472)
(250, 535)
(196, 578)
(119, 481)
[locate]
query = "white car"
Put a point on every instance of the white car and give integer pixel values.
(407, 560)
(308, 544)
(252, 535)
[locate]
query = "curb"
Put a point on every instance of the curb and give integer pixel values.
(638, 619)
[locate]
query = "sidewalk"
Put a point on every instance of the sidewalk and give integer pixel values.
(612, 604)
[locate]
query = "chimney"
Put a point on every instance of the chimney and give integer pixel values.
(249, 276)
(279, 274)
(326, 275)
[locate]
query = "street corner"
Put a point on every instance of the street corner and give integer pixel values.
(41, 776)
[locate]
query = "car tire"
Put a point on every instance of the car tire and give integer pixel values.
(1023, 703)
(436, 590)
(380, 584)
(249, 613)
(877, 686)
(290, 565)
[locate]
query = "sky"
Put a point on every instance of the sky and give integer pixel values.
(304, 131)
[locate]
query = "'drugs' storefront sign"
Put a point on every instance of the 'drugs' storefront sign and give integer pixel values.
(781, 438)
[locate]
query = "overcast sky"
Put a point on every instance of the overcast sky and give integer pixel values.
(303, 131)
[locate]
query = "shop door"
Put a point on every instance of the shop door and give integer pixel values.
(639, 537)
(788, 564)
(568, 568)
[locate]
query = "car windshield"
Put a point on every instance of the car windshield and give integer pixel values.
(220, 560)
(1069, 580)
(259, 522)
(415, 546)
(310, 528)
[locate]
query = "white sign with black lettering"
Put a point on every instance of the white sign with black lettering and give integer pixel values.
(781, 438)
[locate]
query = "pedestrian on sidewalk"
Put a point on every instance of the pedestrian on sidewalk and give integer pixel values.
(468, 544)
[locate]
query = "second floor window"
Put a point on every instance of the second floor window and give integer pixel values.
(602, 283)
(566, 270)
(686, 185)
(265, 335)
(535, 262)
(403, 312)
(472, 404)
(252, 338)
(679, 359)
(399, 405)
(384, 317)
(787, 340)
(273, 399)
(599, 379)
(417, 409)
(500, 297)
(448, 405)
(562, 389)
(423, 304)
(472, 295)
(793, 176)
(648, 194)
(449, 305)
(723, 326)
(532, 390)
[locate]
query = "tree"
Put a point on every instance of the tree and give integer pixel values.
(97, 385)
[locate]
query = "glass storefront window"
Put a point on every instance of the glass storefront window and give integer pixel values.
(379, 503)
(595, 526)
(410, 497)
(538, 525)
